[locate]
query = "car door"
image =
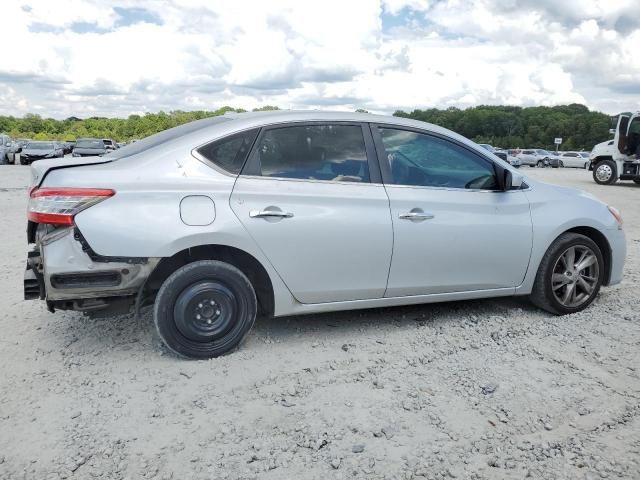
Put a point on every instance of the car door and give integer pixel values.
(571, 159)
(529, 157)
(453, 231)
(311, 197)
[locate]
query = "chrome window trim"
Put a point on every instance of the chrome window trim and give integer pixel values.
(310, 180)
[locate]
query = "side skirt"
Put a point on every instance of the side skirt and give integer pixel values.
(302, 309)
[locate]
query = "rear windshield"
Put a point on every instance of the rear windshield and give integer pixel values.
(164, 136)
(90, 144)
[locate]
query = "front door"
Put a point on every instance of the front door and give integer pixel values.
(453, 231)
(311, 197)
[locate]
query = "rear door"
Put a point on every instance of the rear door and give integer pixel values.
(311, 197)
(453, 230)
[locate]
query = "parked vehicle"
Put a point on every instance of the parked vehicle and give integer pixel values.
(572, 160)
(67, 146)
(110, 144)
(33, 151)
(618, 159)
(283, 213)
(534, 158)
(89, 147)
(511, 160)
(6, 154)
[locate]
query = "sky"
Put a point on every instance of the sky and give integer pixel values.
(115, 58)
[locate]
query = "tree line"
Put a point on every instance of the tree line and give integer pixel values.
(501, 126)
(518, 127)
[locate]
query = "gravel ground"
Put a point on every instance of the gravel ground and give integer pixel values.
(475, 390)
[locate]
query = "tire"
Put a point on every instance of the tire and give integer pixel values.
(636, 180)
(540, 164)
(586, 165)
(605, 172)
(560, 164)
(205, 309)
(548, 296)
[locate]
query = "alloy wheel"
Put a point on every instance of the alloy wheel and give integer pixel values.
(575, 276)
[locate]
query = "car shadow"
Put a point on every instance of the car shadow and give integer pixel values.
(404, 316)
(128, 335)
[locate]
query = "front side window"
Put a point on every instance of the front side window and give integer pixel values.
(231, 152)
(424, 160)
(313, 152)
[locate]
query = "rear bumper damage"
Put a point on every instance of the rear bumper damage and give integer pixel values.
(63, 269)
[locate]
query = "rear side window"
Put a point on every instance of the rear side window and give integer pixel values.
(331, 152)
(229, 153)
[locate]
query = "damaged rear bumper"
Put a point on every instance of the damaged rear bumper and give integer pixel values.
(63, 269)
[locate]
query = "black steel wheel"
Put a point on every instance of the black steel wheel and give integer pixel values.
(205, 309)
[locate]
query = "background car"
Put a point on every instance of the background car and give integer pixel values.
(33, 151)
(6, 154)
(67, 146)
(110, 144)
(513, 161)
(573, 160)
(89, 147)
(535, 157)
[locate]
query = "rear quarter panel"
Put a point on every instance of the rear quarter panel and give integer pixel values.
(143, 218)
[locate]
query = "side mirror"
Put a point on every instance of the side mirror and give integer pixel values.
(511, 180)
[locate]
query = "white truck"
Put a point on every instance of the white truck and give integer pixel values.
(618, 159)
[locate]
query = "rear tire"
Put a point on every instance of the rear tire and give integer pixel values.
(636, 180)
(561, 285)
(605, 172)
(560, 164)
(205, 309)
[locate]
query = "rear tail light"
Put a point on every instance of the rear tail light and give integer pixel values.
(58, 206)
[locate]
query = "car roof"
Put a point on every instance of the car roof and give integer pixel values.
(243, 121)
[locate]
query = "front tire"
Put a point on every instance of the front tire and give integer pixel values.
(205, 309)
(569, 276)
(540, 164)
(605, 172)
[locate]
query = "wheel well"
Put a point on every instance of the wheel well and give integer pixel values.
(240, 259)
(602, 243)
(600, 159)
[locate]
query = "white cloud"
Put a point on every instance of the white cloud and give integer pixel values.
(89, 59)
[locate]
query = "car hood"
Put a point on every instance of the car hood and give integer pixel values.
(40, 168)
(38, 153)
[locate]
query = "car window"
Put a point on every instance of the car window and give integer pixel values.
(314, 152)
(230, 152)
(425, 160)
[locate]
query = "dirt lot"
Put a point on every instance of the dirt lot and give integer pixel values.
(479, 390)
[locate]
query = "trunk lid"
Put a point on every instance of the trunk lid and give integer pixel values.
(40, 168)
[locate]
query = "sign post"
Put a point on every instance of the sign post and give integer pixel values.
(557, 141)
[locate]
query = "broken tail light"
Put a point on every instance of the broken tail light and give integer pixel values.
(58, 206)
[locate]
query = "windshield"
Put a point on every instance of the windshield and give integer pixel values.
(542, 152)
(90, 143)
(40, 146)
(584, 154)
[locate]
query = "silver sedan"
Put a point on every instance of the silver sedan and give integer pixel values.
(219, 221)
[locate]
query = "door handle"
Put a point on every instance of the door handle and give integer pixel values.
(269, 213)
(416, 216)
